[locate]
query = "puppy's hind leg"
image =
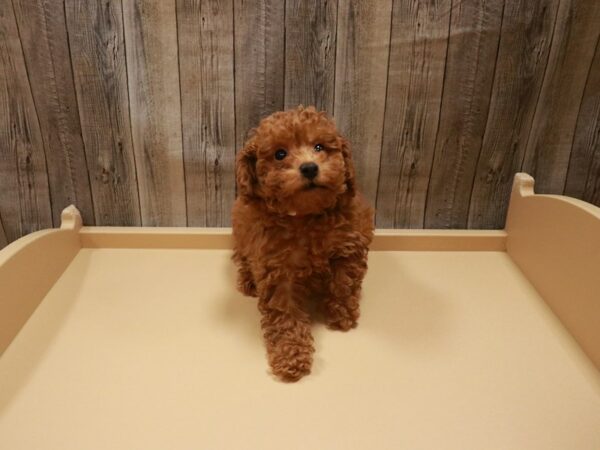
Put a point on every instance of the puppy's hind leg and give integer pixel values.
(245, 279)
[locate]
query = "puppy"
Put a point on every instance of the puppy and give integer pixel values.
(301, 232)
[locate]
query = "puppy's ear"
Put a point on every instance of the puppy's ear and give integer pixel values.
(350, 174)
(245, 170)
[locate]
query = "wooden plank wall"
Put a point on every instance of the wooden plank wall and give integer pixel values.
(134, 109)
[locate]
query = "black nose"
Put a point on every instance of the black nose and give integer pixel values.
(309, 170)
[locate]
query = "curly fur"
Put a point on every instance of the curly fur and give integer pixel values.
(299, 247)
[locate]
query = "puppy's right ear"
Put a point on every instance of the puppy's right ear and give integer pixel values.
(245, 170)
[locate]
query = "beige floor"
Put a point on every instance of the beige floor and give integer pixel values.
(153, 349)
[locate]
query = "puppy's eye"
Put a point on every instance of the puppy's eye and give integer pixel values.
(319, 148)
(280, 154)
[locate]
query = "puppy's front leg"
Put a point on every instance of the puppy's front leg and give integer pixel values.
(342, 304)
(286, 329)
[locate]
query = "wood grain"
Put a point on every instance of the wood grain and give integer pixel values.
(583, 179)
(153, 77)
(551, 137)
(310, 42)
(363, 37)
(525, 40)
(205, 33)
(472, 50)
(43, 32)
(3, 238)
(98, 60)
(24, 193)
(414, 89)
(259, 62)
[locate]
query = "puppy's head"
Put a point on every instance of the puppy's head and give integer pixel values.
(296, 162)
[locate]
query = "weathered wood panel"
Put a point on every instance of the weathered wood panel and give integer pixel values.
(205, 33)
(133, 110)
(259, 62)
(310, 32)
(525, 40)
(549, 146)
(472, 50)
(415, 78)
(43, 33)
(24, 192)
(98, 61)
(155, 105)
(363, 36)
(583, 180)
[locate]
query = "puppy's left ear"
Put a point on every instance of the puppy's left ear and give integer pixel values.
(350, 173)
(245, 170)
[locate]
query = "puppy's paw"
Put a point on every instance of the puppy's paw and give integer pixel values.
(341, 316)
(245, 283)
(342, 324)
(247, 287)
(291, 361)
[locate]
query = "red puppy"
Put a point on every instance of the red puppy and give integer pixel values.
(301, 232)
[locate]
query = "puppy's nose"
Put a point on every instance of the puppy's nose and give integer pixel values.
(309, 170)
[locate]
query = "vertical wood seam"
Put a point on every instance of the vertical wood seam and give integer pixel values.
(67, 153)
(284, 49)
(135, 164)
(399, 152)
(235, 133)
(2, 229)
(537, 101)
(37, 118)
(187, 219)
(437, 133)
(387, 84)
(487, 119)
(337, 25)
(85, 159)
(185, 205)
(587, 79)
(33, 100)
(589, 174)
(235, 130)
(16, 157)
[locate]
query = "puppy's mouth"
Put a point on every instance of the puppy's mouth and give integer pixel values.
(313, 186)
